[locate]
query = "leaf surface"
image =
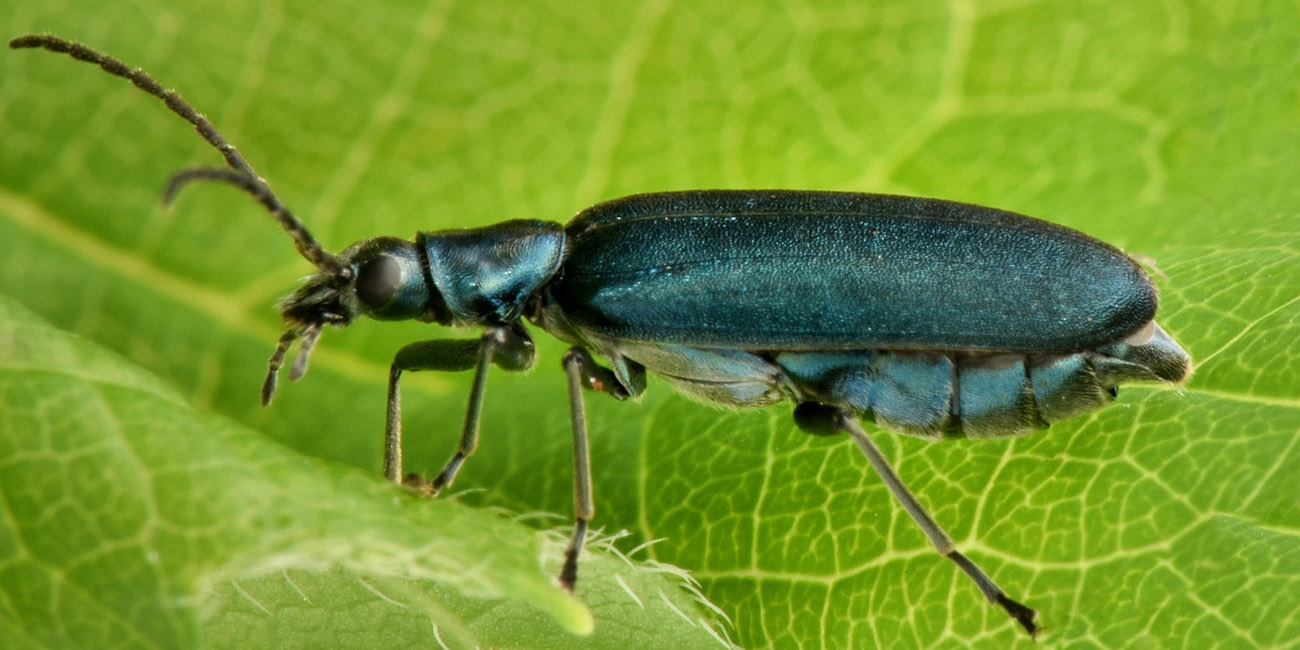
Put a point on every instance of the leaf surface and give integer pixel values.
(1169, 129)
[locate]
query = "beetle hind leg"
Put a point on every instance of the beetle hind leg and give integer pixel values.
(822, 419)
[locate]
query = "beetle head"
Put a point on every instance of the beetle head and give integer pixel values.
(381, 277)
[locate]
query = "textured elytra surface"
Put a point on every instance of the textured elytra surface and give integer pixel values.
(1166, 520)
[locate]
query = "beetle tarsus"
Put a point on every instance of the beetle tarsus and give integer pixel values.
(447, 475)
(569, 572)
(419, 484)
(1023, 614)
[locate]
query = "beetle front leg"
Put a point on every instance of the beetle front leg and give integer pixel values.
(509, 347)
(582, 372)
(821, 419)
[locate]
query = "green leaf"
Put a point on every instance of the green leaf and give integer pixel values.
(133, 520)
(1168, 520)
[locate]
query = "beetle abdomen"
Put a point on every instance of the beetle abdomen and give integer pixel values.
(824, 270)
(923, 393)
(933, 395)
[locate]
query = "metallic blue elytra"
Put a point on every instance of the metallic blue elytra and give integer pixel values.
(932, 318)
(935, 318)
(817, 270)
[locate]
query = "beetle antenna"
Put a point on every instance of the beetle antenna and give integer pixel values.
(241, 174)
(259, 190)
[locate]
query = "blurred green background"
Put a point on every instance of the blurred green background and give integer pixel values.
(1169, 129)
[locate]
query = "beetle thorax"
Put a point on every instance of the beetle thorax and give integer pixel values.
(486, 275)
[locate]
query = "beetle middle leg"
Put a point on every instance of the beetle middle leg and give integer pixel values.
(583, 372)
(509, 347)
(822, 419)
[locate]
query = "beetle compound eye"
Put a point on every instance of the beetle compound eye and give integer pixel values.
(388, 284)
(378, 280)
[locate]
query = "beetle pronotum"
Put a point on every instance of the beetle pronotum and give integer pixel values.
(935, 318)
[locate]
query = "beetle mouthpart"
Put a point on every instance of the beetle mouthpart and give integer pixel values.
(268, 387)
(309, 338)
(273, 366)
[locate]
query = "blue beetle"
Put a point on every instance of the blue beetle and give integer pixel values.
(933, 318)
